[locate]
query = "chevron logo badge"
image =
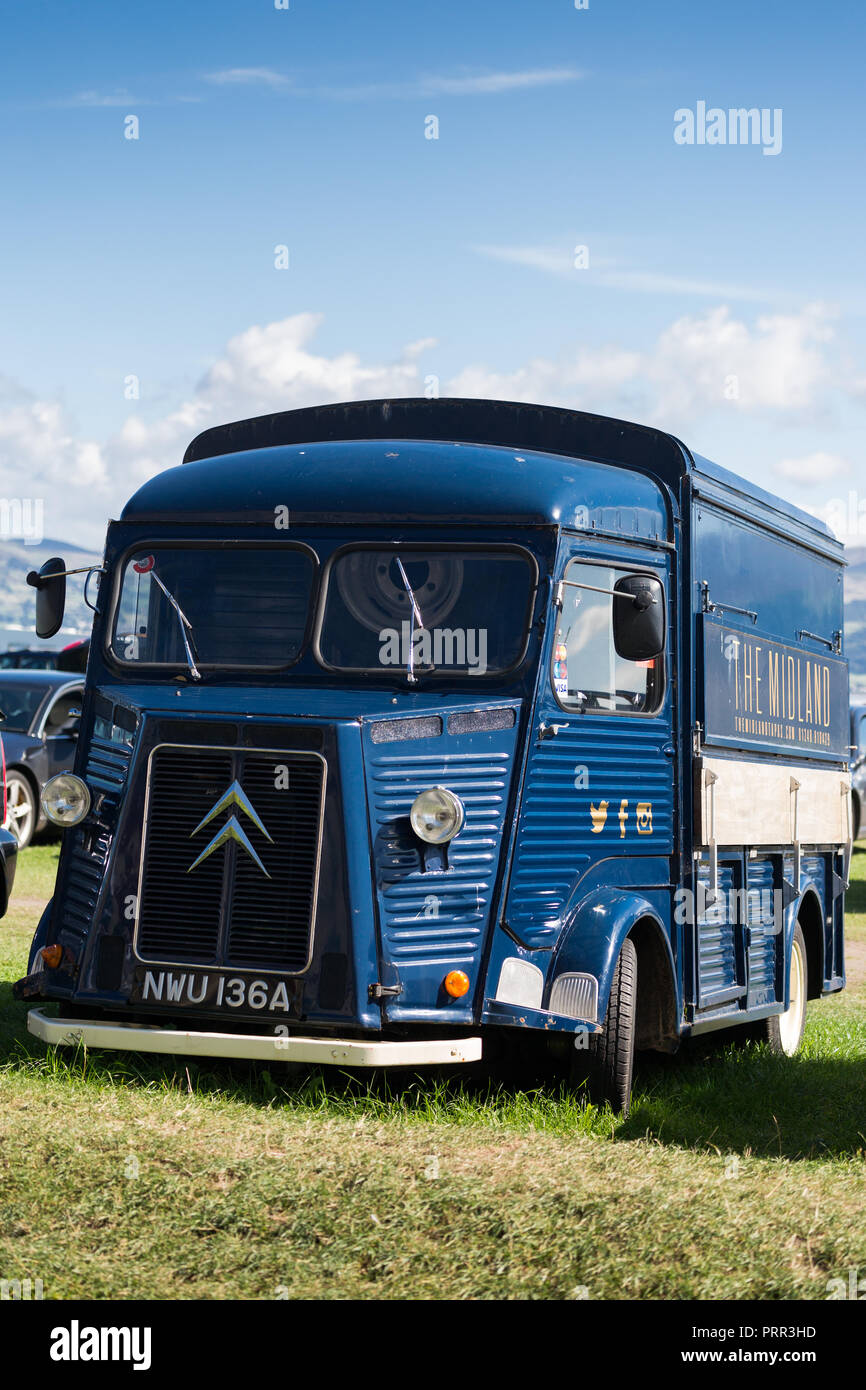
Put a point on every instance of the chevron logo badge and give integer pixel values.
(234, 796)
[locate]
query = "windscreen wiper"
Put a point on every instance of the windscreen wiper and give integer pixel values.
(185, 627)
(416, 616)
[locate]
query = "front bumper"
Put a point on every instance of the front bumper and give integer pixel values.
(261, 1047)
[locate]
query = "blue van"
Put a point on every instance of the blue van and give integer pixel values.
(421, 730)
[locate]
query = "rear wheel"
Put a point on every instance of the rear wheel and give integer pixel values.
(20, 808)
(609, 1061)
(784, 1032)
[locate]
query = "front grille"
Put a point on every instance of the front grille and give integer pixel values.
(231, 857)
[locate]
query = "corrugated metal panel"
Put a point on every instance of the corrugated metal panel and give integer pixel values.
(105, 772)
(719, 968)
(107, 766)
(557, 838)
(764, 936)
(438, 915)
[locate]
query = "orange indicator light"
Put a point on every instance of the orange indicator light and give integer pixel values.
(456, 983)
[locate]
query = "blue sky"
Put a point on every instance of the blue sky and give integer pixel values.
(412, 258)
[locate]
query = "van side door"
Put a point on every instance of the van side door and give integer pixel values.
(598, 800)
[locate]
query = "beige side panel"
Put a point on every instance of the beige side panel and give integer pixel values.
(749, 803)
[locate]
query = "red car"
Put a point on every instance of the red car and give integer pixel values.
(8, 846)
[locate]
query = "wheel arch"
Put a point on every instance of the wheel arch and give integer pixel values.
(657, 1013)
(592, 943)
(810, 916)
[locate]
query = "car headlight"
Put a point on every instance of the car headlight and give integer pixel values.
(437, 815)
(65, 799)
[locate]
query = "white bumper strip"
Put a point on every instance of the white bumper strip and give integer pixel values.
(346, 1052)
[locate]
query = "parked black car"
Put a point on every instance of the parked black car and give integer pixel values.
(858, 768)
(23, 659)
(40, 726)
(70, 658)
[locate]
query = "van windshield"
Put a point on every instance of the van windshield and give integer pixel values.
(427, 610)
(239, 606)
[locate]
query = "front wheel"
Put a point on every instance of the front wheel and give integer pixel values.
(784, 1032)
(610, 1059)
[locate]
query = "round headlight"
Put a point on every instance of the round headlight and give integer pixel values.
(437, 815)
(65, 799)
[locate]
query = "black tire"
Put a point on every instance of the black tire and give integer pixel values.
(783, 1033)
(609, 1062)
(22, 808)
(855, 818)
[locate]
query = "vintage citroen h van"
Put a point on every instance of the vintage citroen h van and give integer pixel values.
(412, 727)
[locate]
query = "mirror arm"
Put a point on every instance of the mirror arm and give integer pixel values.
(37, 581)
(593, 588)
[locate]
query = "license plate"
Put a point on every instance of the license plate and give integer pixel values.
(214, 990)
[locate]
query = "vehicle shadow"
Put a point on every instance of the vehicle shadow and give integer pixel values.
(738, 1100)
(745, 1100)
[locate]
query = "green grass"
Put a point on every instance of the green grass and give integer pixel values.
(737, 1174)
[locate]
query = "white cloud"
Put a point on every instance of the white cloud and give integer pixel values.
(266, 368)
(94, 98)
(655, 282)
(559, 260)
(780, 364)
(259, 77)
(501, 81)
(818, 467)
(554, 259)
(41, 458)
(697, 364)
(469, 84)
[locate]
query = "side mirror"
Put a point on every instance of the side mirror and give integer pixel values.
(639, 617)
(50, 586)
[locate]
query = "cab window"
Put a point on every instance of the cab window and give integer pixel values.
(587, 672)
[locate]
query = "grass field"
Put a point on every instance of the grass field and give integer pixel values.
(737, 1174)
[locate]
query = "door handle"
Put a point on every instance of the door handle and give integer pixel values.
(549, 730)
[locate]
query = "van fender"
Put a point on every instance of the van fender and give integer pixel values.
(808, 910)
(593, 939)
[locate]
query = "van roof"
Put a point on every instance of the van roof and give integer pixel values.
(489, 481)
(372, 482)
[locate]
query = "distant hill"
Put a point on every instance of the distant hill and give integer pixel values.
(855, 620)
(17, 598)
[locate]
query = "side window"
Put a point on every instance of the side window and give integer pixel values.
(60, 717)
(588, 674)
